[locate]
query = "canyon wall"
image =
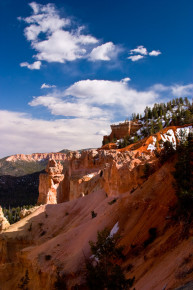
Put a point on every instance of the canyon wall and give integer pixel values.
(83, 173)
(37, 157)
(114, 171)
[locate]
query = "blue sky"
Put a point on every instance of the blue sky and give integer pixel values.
(71, 68)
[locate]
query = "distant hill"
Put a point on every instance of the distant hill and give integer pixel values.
(20, 167)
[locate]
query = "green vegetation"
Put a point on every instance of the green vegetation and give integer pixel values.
(20, 167)
(184, 177)
(19, 191)
(60, 283)
(148, 170)
(24, 281)
(48, 257)
(13, 214)
(167, 152)
(93, 214)
(151, 238)
(177, 112)
(103, 269)
(112, 201)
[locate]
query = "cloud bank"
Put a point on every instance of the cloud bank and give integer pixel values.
(36, 135)
(85, 110)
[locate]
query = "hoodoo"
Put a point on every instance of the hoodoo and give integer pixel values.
(51, 183)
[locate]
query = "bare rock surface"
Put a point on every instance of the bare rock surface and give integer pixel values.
(4, 224)
(51, 183)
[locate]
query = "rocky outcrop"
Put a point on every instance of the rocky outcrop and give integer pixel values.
(53, 242)
(25, 212)
(51, 189)
(122, 130)
(37, 157)
(114, 171)
(83, 173)
(4, 224)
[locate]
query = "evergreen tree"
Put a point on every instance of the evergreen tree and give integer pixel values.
(184, 176)
(104, 271)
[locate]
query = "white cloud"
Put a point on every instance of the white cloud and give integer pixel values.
(139, 50)
(35, 135)
(175, 90)
(62, 46)
(155, 53)
(105, 52)
(47, 86)
(60, 42)
(62, 107)
(182, 91)
(35, 65)
(136, 57)
(96, 99)
(56, 39)
(125, 80)
(93, 106)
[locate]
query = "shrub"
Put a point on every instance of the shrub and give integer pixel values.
(48, 257)
(24, 281)
(93, 214)
(60, 283)
(112, 201)
(103, 270)
(152, 237)
(184, 178)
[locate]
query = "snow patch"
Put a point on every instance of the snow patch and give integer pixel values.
(91, 175)
(182, 133)
(169, 136)
(152, 146)
(114, 230)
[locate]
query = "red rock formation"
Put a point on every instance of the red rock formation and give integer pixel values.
(115, 171)
(37, 157)
(51, 183)
(55, 239)
(122, 130)
(4, 224)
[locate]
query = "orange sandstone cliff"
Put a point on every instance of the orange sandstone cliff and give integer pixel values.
(53, 241)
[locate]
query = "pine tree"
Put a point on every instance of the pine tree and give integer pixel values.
(103, 271)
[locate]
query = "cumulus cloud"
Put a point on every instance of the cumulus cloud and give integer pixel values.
(96, 99)
(35, 135)
(47, 86)
(155, 53)
(35, 65)
(62, 107)
(105, 52)
(56, 39)
(139, 50)
(136, 57)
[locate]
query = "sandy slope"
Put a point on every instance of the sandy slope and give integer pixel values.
(62, 231)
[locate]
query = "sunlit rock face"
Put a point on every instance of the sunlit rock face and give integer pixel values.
(83, 173)
(51, 189)
(4, 224)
